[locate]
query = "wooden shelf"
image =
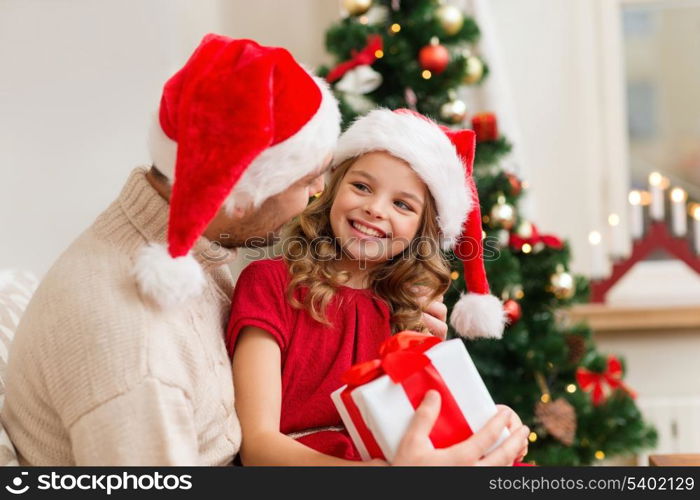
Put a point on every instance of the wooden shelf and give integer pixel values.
(601, 317)
(674, 460)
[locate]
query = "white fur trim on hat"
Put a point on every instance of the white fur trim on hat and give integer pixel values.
(276, 168)
(476, 315)
(167, 281)
(427, 149)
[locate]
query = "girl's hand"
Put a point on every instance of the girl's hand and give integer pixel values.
(434, 314)
(416, 449)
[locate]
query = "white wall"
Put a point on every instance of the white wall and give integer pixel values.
(298, 25)
(79, 79)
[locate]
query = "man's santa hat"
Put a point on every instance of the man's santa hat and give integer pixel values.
(443, 159)
(237, 124)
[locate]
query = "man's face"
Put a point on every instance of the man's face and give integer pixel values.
(258, 227)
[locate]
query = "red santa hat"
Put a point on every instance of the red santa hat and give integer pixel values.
(239, 123)
(443, 159)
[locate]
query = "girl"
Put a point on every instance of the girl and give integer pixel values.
(400, 189)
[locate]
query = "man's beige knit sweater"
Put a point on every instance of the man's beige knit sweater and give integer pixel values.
(99, 376)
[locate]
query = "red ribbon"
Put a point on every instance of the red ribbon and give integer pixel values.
(366, 56)
(402, 359)
(516, 241)
(600, 383)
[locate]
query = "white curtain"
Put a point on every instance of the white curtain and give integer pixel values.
(495, 93)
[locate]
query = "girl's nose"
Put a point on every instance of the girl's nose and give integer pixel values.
(375, 209)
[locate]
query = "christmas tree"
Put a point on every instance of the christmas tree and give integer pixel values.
(417, 54)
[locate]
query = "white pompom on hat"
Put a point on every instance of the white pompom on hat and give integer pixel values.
(443, 159)
(239, 121)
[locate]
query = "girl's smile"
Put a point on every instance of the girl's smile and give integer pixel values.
(365, 230)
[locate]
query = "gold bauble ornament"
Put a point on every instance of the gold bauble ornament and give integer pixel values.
(454, 111)
(502, 214)
(561, 284)
(450, 18)
(475, 70)
(357, 7)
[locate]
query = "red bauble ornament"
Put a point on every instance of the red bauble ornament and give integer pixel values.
(513, 311)
(485, 127)
(516, 185)
(434, 58)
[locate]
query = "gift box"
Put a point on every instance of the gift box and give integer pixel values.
(380, 396)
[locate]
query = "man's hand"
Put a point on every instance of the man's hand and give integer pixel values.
(434, 313)
(514, 423)
(416, 449)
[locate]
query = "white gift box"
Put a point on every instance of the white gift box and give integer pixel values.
(386, 411)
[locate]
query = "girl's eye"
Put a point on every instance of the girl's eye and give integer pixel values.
(360, 186)
(403, 205)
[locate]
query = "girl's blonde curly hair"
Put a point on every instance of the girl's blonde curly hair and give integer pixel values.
(310, 251)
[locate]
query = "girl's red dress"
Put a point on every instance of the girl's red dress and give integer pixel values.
(314, 356)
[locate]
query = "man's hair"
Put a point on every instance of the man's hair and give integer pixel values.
(311, 250)
(160, 176)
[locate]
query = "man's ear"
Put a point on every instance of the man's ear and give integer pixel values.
(238, 212)
(236, 206)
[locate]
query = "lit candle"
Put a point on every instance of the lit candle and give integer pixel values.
(679, 222)
(617, 237)
(598, 262)
(636, 214)
(696, 227)
(656, 210)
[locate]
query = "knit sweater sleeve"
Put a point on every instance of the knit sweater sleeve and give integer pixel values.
(156, 427)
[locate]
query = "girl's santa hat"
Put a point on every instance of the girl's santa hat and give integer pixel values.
(443, 159)
(239, 123)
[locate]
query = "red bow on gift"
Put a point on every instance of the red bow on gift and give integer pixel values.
(516, 241)
(600, 383)
(366, 56)
(400, 356)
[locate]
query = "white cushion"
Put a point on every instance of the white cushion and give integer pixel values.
(16, 288)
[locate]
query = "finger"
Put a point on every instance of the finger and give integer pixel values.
(521, 454)
(479, 443)
(425, 416)
(420, 290)
(423, 293)
(508, 451)
(514, 421)
(437, 309)
(437, 328)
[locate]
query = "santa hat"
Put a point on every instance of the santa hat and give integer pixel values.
(239, 123)
(443, 159)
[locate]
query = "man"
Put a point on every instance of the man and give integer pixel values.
(120, 357)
